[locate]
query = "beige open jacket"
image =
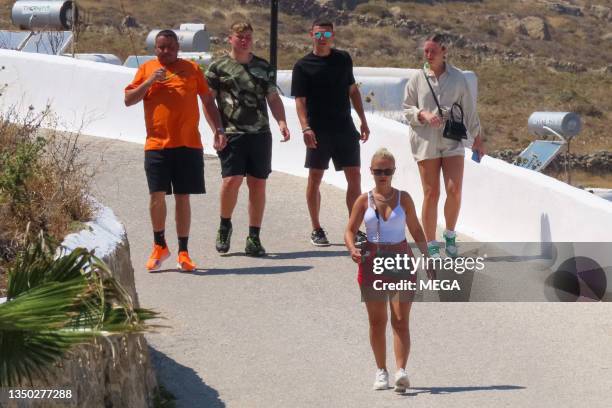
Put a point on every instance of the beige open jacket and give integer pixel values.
(451, 87)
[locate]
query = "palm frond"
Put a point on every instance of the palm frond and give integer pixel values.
(56, 303)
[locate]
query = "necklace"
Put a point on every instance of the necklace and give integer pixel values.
(385, 199)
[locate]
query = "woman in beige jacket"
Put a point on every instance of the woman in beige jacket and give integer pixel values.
(430, 149)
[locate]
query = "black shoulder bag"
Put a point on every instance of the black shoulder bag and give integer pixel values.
(453, 128)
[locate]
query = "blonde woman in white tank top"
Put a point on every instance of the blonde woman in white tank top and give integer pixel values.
(387, 212)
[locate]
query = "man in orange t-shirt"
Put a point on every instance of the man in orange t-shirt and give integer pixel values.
(174, 158)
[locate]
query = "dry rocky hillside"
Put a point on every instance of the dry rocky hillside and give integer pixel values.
(529, 54)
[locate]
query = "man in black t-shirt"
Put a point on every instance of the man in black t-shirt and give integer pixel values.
(324, 87)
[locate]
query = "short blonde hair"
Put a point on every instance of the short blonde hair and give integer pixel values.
(383, 153)
(240, 27)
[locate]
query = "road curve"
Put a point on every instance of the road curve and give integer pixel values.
(290, 330)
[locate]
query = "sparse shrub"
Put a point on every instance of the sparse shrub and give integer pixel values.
(217, 14)
(577, 103)
(488, 27)
(507, 38)
(348, 4)
(237, 16)
(44, 183)
(374, 10)
(586, 109)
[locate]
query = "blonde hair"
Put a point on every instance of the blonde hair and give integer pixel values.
(240, 27)
(383, 153)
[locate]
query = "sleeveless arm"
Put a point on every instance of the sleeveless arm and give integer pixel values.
(413, 224)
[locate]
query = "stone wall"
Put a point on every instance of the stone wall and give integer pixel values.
(597, 162)
(110, 372)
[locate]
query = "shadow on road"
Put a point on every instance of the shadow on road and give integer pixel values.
(186, 385)
(450, 390)
(256, 270)
(295, 255)
(308, 254)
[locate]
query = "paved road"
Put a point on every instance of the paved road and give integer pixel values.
(289, 330)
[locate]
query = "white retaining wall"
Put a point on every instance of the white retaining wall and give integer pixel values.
(382, 89)
(501, 202)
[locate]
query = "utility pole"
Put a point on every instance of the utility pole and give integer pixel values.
(273, 35)
(73, 27)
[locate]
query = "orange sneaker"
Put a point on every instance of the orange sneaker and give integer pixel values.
(158, 256)
(184, 262)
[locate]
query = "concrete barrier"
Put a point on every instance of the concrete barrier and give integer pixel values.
(382, 89)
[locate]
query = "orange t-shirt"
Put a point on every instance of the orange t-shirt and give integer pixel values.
(171, 106)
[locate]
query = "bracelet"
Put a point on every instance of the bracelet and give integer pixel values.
(306, 129)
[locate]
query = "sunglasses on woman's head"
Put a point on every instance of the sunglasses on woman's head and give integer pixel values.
(320, 34)
(383, 172)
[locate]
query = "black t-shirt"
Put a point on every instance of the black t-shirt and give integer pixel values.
(325, 82)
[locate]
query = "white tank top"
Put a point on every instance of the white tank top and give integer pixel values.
(393, 230)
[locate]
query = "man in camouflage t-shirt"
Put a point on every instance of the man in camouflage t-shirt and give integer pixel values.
(243, 85)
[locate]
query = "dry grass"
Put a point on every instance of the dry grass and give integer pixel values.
(509, 93)
(44, 184)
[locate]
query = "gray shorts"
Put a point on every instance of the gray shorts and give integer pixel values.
(434, 147)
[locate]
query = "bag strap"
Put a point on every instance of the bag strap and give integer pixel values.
(433, 94)
(373, 204)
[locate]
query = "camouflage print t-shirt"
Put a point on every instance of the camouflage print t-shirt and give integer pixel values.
(241, 93)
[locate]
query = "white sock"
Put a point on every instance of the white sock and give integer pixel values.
(449, 234)
(434, 242)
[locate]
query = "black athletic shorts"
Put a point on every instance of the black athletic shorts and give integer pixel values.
(178, 170)
(340, 146)
(247, 154)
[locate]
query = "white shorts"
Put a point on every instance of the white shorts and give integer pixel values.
(434, 147)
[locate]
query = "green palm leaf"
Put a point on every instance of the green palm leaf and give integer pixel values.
(56, 303)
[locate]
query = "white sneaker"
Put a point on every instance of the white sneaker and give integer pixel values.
(381, 381)
(401, 380)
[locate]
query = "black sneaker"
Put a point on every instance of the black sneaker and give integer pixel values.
(224, 237)
(254, 248)
(360, 238)
(318, 238)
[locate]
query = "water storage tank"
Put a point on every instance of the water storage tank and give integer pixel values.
(104, 58)
(190, 41)
(192, 27)
(49, 15)
(567, 124)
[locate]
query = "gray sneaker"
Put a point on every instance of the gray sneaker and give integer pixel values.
(318, 238)
(224, 238)
(254, 248)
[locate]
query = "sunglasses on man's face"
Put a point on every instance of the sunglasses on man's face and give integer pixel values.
(383, 172)
(323, 34)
